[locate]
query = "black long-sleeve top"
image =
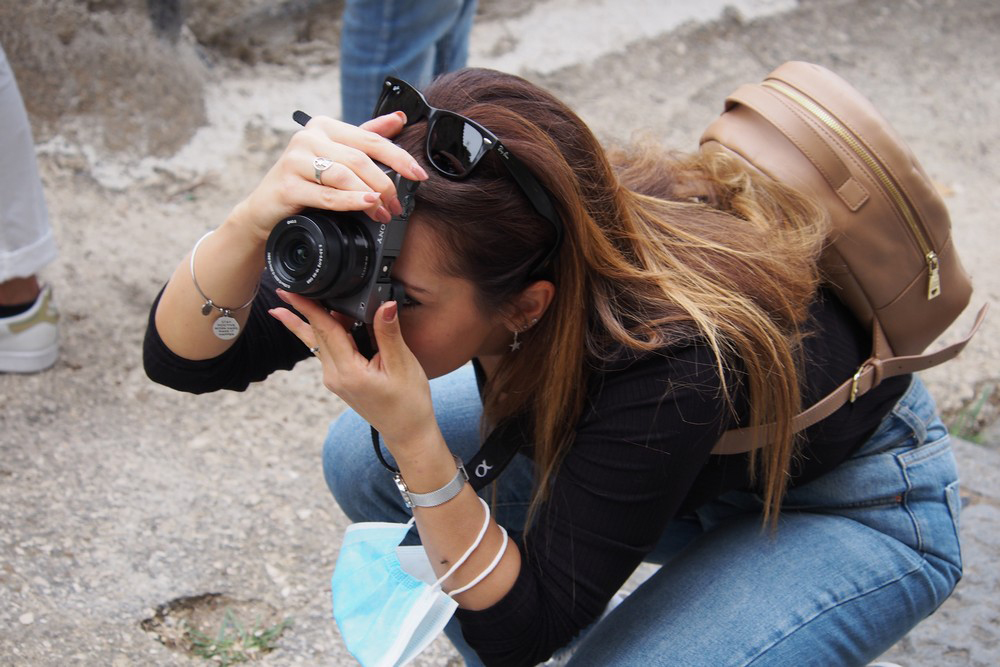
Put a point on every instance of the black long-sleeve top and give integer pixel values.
(641, 456)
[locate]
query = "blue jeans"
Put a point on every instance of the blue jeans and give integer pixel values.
(414, 41)
(860, 556)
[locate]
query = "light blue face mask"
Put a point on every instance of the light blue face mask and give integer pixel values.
(386, 600)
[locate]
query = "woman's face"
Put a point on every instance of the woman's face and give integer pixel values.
(440, 320)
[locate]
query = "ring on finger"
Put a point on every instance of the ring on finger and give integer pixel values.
(321, 164)
(314, 351)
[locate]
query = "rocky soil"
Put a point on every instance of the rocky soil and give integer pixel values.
(129, 509)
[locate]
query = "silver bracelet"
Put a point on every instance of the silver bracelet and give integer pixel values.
(225, 327)
(436, 497)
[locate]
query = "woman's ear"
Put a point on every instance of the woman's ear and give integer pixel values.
(530, 305)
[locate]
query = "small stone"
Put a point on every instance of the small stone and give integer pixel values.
(27, 618)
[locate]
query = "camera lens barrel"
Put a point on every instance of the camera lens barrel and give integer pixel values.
(342, 259)
(321, 254)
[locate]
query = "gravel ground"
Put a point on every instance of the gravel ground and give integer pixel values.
(129, 508)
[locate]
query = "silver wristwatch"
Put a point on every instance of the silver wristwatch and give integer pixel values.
(433, 498)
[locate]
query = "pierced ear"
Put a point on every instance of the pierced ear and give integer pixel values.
(530, 305)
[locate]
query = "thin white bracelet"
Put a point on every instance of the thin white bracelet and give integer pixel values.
(489, 568)
(225, 327)
(475, 545)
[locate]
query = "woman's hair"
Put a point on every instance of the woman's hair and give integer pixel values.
(658, 249)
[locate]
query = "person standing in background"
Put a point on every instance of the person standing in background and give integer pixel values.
(29, 337)
(415, 41)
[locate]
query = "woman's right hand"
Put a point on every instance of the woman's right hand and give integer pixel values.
(352, 183)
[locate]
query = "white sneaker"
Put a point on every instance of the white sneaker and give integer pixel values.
(29, 342)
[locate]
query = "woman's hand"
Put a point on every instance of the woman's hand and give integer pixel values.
(390, 391)
(352, 183)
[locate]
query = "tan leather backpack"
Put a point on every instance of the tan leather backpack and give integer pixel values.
(890, 256)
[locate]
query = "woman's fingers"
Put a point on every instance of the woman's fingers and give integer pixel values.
(387, 126)
(299, 327)
(329, 333)
(355, 171)
(391, 347)
(371, 143)
(303, 193)
(340, 167)
(344, 167)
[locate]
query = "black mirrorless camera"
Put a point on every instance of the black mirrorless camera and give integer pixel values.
(342, 259)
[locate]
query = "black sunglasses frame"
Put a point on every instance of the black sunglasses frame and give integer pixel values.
(537, 195)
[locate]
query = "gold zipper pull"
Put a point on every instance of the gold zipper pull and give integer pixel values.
(933, 276)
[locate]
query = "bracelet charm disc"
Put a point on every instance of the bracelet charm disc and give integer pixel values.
(226, 327)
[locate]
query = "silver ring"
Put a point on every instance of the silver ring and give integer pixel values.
(314, 351)
(321, 164)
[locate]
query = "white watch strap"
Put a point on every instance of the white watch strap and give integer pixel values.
(436, 497)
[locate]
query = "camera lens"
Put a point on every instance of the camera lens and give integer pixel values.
(299, 256)
(320, 254)
(297, 252)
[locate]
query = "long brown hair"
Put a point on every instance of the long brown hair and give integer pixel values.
(658, 248)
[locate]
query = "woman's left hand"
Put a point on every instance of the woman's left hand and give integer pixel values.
(390, 391)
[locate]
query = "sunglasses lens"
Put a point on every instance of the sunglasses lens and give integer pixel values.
(455, 145)
(401, 98)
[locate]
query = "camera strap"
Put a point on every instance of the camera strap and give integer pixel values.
(492, 458)
(499, 449)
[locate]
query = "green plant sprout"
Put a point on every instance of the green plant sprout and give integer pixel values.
(235, 642)
(965, 425)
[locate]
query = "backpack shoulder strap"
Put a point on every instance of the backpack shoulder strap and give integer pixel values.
(869, 375)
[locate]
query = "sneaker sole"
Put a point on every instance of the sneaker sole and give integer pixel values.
(29, 362)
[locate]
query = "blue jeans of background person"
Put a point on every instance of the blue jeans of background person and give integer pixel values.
(860, 556)
(414, 41)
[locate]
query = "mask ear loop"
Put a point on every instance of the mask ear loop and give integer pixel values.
(475, 545)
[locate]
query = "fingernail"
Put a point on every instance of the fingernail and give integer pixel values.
(371, 197)
(383, 215)
(419, 172)
(401, 115)
(389, 311)
(282, 294)
(395, 206)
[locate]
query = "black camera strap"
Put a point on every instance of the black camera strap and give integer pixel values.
(499, 449)
(492, 458)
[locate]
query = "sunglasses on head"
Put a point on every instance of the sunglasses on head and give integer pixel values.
(456, 144)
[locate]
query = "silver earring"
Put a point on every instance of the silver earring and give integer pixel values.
(516, 345)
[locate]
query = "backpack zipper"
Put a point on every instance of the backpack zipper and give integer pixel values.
(825, 117)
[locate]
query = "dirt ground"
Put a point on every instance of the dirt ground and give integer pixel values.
(124, 502)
